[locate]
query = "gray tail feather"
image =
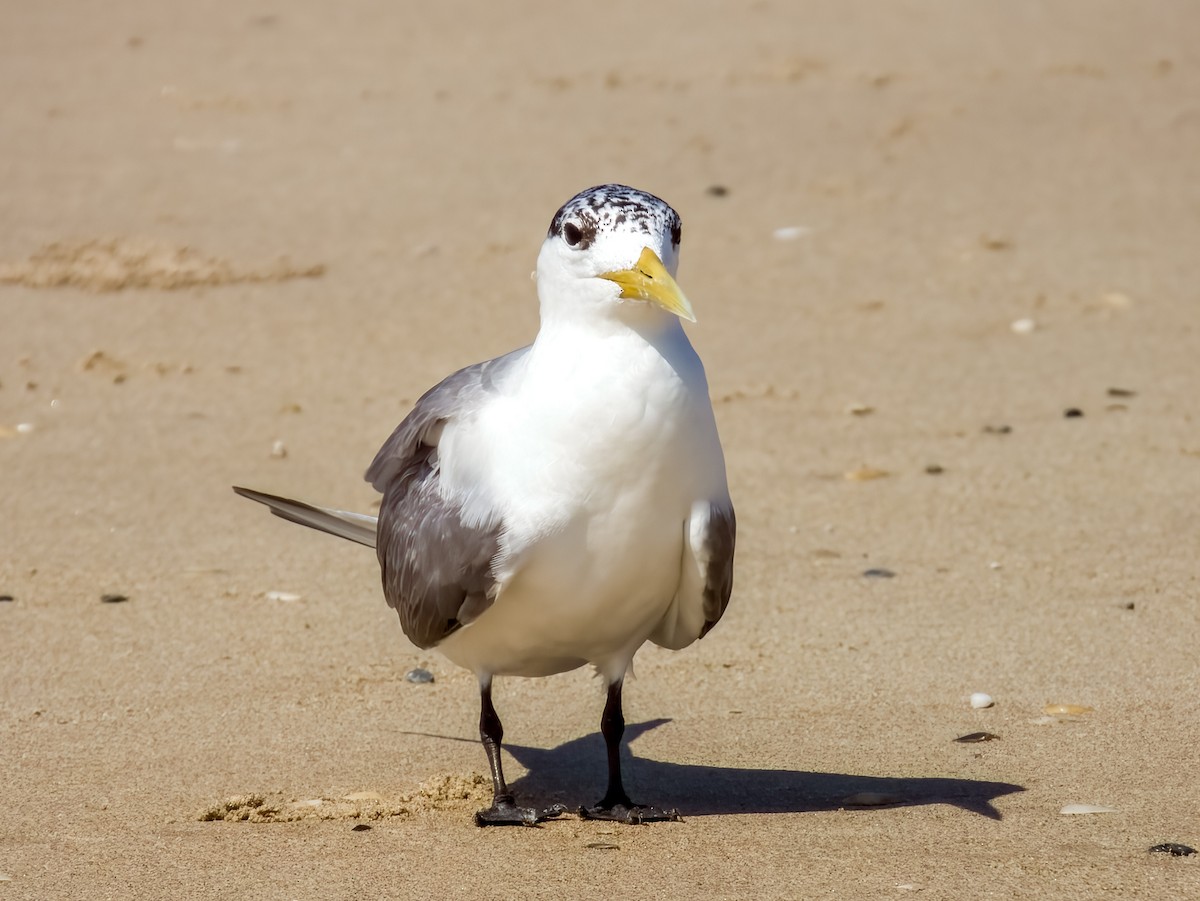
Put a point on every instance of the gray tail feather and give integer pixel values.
(357, 527)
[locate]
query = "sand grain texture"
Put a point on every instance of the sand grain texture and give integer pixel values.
(873, 195)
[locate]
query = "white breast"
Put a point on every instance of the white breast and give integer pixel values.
(594, 458)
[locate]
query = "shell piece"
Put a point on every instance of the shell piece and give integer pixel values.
(790, 232)
(980, 700)
(865, 474)
(1086, 808)
(285, 596)
(1022, 326)
(974, 737)
(1066, 709)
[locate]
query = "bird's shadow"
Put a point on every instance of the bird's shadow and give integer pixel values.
(573, 773)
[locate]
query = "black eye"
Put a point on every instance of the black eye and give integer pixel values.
(571, 234)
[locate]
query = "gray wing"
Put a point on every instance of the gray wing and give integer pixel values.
(718, 543)
(437, 571)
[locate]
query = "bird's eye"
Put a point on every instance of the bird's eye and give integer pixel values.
(571, 234)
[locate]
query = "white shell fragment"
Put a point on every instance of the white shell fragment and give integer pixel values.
(790, 232)
(979, 700)
(285, 596)
(24, 428)
(1086, 808)
(278, 450)
(1023, 326)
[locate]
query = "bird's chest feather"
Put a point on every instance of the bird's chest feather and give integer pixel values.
(593, 439)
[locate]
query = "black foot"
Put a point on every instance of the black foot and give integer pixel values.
(506, 813)
(632, 814)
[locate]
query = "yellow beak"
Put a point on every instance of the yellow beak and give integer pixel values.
(649, 280)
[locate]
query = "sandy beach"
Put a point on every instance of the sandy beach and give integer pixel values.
(944, 259)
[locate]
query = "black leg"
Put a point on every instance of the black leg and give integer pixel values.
(615, 805)
(504, 810)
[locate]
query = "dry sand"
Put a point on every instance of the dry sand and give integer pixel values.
(231, 225)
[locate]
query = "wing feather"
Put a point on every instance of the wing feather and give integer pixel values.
(437, 570)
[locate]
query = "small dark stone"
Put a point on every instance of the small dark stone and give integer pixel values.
(1121, 392)
(602, 846)
(717, 191)
(1129, 605)
(1174, 848)
(113, 599)
(360, 827)
(5, 598)
(974, 737)
(419, 676)
(1072, 413)
(997, 429)
(934, 469)
(878, 573)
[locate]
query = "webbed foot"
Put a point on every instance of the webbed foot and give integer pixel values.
(505, 812)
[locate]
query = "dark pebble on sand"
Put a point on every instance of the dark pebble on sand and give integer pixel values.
(602, 846)
(419, 676)
(934, 469)
(1174, 848)
(1121, 392)
(1072, 413)
(974, 737)
(113, 598)
(878, 573)
(6, 597)
(360, 827)
(997, 429)
(717, 191)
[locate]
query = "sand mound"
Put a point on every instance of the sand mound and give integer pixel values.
(443, 792)
(121, 263)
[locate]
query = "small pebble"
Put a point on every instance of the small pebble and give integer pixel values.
(934, 469)
(285, 596)
(24, 428)
(419, 676)
(980, 701)
(717, 191)
(1072, 809)
(1174, 848)
(878, 573)
(997, 429)
(602, 846)
(1072, 413)
(860, 410)
(974, 737)
(5, 598)
(1121, 392)
(113, 599)
(1023, 326)
(360, 827)
(278, 450)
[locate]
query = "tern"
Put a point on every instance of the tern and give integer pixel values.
(567, 502)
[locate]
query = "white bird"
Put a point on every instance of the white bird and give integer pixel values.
(567, 502)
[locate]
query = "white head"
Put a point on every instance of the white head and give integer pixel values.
(611, 253)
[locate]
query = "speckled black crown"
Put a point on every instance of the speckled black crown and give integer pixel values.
(607, 207)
